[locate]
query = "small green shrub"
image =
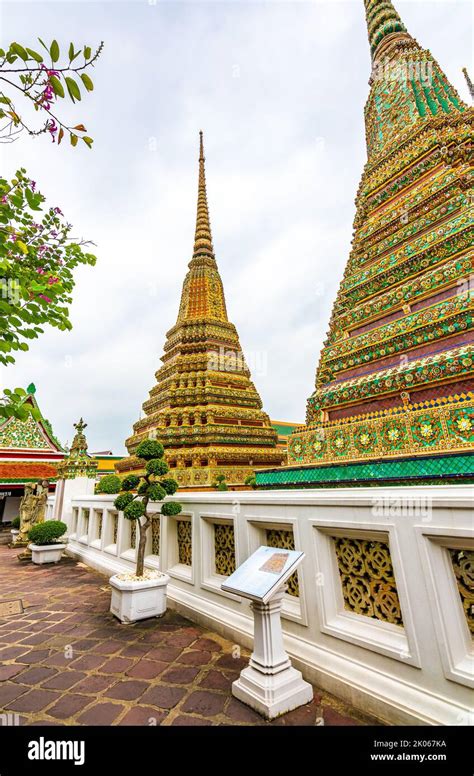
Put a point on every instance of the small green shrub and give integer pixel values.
(123, 501)
(48, 532)
(149, 449)
(134, 510)
(170, 508)
(157, 466)
(16, 522)
(111, 483)
(130, 482)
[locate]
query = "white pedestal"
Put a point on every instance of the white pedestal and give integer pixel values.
(270, 684)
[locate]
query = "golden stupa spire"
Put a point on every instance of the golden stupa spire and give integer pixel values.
(202, 238)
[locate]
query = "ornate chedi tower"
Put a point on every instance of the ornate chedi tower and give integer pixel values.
(393, 398)
(205, 408)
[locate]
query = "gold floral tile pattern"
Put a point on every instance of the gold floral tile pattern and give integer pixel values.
(284, 539)
(463, 567)
(185, 551)
(367, 579)
(155, 536)
(224, 549)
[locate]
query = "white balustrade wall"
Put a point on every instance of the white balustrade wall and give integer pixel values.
(419, 672)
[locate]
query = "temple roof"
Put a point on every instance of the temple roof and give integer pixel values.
(32, 435)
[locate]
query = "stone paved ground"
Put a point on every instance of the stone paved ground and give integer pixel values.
(67, 661)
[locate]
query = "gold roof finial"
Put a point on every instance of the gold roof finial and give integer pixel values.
(470, 85)
(203, 238)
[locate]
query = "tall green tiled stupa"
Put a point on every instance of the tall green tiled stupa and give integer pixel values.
(393, 399)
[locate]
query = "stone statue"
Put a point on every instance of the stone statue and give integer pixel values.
(32, 511)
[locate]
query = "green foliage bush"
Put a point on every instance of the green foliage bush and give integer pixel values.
(110, 484)
(16, 522)
(170, 508)
(157, 467)
(134, 510)
(122, 501)
(156, 492)
(149, 449)
(130, 482)
(48, 532)
(170, 486)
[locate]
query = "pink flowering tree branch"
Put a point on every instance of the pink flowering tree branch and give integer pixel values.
(43, 80)
(37, 259)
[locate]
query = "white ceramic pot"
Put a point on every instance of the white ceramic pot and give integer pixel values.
(46, 553)
(14, 532)
(137, 600)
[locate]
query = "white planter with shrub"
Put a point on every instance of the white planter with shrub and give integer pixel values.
(143, 594)
(46, 553)
(135, 598)
(45, 541)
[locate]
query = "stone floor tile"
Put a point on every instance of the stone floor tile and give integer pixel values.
(64, 680)
(163, 696)
(34, 700)
(126, 690)
(100, 714)
(195, 657)
(208, 704)
(146, 669)
(35, 675)
(69, 705)
(180, 675)
(215, 680)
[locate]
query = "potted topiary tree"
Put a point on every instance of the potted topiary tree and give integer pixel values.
(15, 527)
(143, 594)
(45, 545)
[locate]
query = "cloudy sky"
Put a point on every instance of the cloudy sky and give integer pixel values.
(278, 89)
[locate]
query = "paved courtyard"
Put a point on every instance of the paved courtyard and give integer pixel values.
(66, 661)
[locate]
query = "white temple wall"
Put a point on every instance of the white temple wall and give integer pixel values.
(419, 672)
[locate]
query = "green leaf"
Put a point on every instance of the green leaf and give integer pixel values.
(17, 49)
(87, 52)
(88, 141)
(73, 89)
(54, 51)
(43, 44)
(58, 88)
(87, 82)
(74, 139)
(34, 54)
(71, 52)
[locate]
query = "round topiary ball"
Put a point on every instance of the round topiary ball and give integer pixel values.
(134, 510)
(170, 485)
(158, 467)
(170, 508)
(156, 492)
(130, 482)
(111, 483)
(122, 501)
(149, 449)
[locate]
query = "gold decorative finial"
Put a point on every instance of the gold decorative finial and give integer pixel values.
(203, 238)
